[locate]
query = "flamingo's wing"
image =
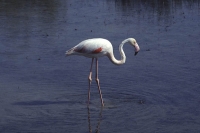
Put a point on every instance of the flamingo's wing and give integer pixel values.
(90, 46)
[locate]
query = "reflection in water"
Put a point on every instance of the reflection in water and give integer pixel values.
(26, 19)
(162, 9)
(27, 24)
(13, 5)
(28, 11)
(160, 5)
(98, 123)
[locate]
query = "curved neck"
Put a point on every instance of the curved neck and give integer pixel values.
(123, 56)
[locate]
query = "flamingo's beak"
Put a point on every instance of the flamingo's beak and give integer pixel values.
(137, 48)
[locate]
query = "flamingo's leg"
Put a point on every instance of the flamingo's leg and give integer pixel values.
(90, 80)
(97, 81)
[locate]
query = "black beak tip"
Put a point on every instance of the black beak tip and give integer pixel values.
(136, 53)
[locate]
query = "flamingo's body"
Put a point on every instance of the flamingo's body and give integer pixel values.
(92, 48)
(98, 47)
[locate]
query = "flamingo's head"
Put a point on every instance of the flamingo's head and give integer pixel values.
(135, 45)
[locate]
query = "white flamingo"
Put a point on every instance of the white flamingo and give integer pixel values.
(98, 47)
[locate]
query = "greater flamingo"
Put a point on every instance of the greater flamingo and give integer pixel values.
(98, 47)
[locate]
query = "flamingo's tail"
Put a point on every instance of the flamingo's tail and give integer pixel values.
(70, 51)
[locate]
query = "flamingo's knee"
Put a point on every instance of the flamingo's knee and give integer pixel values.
(89, 79)
(97, 80)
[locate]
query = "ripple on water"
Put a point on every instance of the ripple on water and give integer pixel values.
(145, 105)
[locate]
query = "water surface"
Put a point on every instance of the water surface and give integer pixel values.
(43, 91)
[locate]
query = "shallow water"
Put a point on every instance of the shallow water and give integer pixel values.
(43, 91)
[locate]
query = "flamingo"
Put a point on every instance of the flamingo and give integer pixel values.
(99, 47)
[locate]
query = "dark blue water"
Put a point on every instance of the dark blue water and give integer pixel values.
(41, 90)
